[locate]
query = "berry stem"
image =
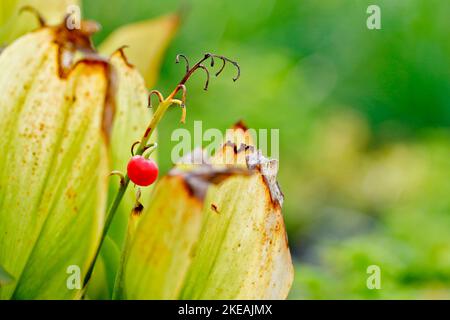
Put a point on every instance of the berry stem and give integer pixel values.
(163, 105)
(160, 111)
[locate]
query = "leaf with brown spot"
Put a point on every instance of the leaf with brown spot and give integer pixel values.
(53, 168)
(160, 251)
(241, 253)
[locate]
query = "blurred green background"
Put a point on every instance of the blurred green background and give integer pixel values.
(364, 121)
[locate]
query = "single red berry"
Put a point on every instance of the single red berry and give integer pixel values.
(142, 171)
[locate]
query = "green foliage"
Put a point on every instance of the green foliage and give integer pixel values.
(400, 223)
(53, 166)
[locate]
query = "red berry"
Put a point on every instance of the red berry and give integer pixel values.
(142, 171)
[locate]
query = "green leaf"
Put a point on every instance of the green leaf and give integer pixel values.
(230, 245)
(7, 9)
(147, 42)
(53, 172)
(161, 249)
(242, 251)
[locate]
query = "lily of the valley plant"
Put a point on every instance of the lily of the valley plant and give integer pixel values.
(70, 118)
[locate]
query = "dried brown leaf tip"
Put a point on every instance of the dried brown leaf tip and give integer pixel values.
(138, 207)
(240, 125)
(72, 35)
(269, 171)
(75, 48)
(78, 37)
(71, 40)
(201, 176)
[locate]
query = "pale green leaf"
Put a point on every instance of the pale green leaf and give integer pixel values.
(147, 42)
(162, 247)
(53, 169)
(242, 252)
(232, 245)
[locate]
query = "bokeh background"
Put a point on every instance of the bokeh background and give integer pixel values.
(364, 120)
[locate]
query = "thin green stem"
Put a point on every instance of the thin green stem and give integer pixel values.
(160, 111)
(109, 218)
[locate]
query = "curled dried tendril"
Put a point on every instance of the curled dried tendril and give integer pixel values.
(177, 60)
(200, 65)
(138, 207)
(35, 12)
(156, 93)
(188, 73)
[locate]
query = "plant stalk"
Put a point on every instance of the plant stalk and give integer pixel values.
(159, 113)
(164, 104)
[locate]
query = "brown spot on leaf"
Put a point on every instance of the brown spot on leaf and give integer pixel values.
(214, 208)
(198, 179)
